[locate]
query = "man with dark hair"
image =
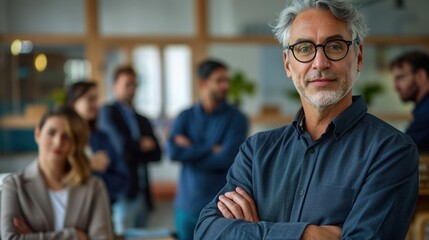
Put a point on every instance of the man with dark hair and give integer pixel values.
(204, 138)
(133, 138)
(411, 74)
(336, 172)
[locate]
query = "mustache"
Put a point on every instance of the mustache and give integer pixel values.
(320, 74)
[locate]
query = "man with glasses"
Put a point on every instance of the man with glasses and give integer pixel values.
(411, 74)
(336, 172)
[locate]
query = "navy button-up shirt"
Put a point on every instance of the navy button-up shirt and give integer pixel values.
(203, 171)
(360, 175)
(418, 129)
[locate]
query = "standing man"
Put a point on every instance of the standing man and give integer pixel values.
(337, 172)
(205, 139)
(411, 75)
(133, 138)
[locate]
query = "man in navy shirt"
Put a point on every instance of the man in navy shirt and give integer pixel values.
(205, 139)
(336, 172)
(411, 74)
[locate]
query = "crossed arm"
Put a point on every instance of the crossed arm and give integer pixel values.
(218, 155)
(382, 210)
(239, 204)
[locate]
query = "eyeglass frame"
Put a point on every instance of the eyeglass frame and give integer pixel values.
(348, 43)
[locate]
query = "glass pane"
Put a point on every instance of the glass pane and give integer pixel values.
(178, 75)
(398, 17)
(42, 16)
(143, 17)
(263, 65)
(30, 83)
(242, 17)
(147, 63)
(376, 71)
(253, 17)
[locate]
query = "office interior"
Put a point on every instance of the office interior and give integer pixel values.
(46, 45)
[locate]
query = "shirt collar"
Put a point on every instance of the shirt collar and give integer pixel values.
(342, 123)
(124, 106)
(298, 121)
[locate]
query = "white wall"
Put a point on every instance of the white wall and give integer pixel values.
(3, 16)
(43, 16)
(384, 17)
(229, 17)
(232, 17)
(136, 17)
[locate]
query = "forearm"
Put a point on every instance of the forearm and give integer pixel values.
(230, 145)
(188, 154)
(211, 226)
(219, 161)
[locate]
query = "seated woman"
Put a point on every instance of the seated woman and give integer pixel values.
(82, 97)
(56, 197)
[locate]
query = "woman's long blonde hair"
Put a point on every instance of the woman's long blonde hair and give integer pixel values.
(77, 168)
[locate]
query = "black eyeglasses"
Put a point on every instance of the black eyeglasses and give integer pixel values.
(334, 50)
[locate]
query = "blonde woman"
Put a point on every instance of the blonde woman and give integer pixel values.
(56, 197)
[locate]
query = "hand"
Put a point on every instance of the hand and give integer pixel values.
(100, 161)
(81, 235)
(182, 141)
(147, 144)
(238, 205)
(21, 226)
(313, 232)
(217, 148)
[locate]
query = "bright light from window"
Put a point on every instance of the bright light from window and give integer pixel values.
(26, 47)
(76, 69)
(15, 47)
(178, 74)
(40, 62)
(147, 64)
(19, 46)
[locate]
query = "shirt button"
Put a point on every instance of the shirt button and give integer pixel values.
(301, 193)
(311, 150)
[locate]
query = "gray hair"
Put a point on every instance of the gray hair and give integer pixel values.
(342, 9)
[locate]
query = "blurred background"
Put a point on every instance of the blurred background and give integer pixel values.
(47, 44)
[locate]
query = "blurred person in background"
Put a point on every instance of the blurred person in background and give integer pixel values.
(56, 197)
(83, 98)
(205, 139)
(133, 139)
(411, 75)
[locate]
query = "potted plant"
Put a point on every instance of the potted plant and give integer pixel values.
(239, 86)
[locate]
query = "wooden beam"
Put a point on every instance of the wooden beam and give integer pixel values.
(94, 46)
(137, 40)
(244, 40)
(201, 16)
(200, 48)
(59, 39)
